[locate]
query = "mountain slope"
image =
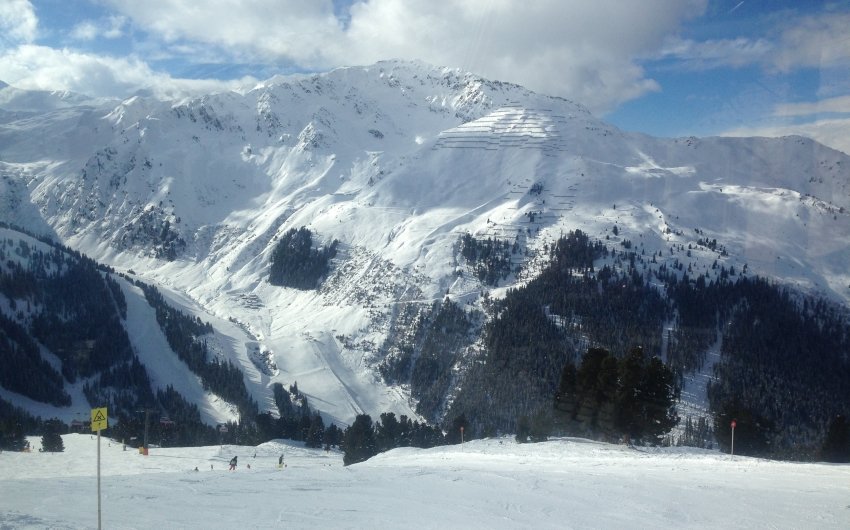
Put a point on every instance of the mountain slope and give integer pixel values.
(87, 325)
(396, 161)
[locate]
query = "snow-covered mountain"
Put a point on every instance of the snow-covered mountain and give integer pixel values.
(395, 161)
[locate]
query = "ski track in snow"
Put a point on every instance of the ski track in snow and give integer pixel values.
(564, 484)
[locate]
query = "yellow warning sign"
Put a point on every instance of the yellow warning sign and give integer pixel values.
(98, 419)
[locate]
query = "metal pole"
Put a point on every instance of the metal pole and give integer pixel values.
(98, 480)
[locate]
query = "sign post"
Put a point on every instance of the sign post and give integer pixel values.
(733, 425)
(98, 423)
(461, 437)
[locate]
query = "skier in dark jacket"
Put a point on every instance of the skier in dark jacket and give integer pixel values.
(233, 464)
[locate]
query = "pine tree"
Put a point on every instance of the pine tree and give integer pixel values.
(454, 435)
(752, 432)
(359, 441)
(12, 437)
(405, 431)
(316, 432)
(267, 427)
(565, 401)
(628, 396)
(387, 432)
(606, 393)
(296, 264)
(333, 436)
(51, 441)
(541, 426)
(523, 429)
(608, 398)
(588, 380)
(836, 446)
(304, 424)
(658, 395)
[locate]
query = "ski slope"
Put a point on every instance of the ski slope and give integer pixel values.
(495, 483)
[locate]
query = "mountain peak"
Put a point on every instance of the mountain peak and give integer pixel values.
(397, 161)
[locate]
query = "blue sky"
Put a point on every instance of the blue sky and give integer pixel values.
(664, 67)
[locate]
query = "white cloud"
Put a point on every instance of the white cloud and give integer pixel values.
(580, 50)
(832, 133)
(268, 29)
(41, 68)
(819, 41)
(816, 41)
(109, 28)
(709, 54)
(18, 23)
(840, 104)
(584, 51)
(828, 131)
(786, 121)
(114, 27)
(85, 31)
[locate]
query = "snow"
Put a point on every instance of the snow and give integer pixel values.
(455, 154)
(495, 483)
(165, 368)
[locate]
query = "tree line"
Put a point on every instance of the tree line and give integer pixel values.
(489, 259)
(631, 398)
(424, 357)
(783, 372)
(364, 439)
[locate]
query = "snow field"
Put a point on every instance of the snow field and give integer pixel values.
(496, 483)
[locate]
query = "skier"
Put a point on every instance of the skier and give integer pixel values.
(233, 464)
(280, 462)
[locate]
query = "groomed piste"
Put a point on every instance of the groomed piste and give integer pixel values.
(493, 483)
